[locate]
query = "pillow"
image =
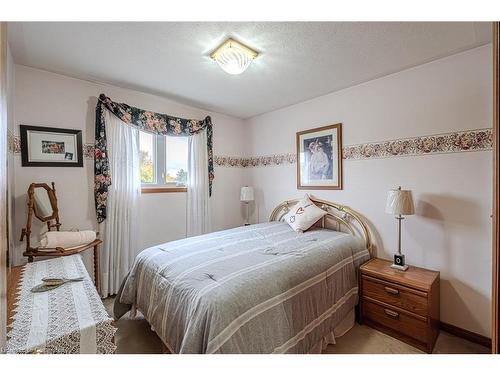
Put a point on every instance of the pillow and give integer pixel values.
(304, 214)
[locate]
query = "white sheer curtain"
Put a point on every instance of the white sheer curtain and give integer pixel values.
(198, 210)
(119, 230)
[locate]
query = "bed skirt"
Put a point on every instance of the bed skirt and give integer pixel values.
(340, 330)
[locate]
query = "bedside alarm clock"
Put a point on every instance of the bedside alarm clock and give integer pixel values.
(399, 262)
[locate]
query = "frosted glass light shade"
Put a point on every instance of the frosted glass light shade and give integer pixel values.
(233, 57)
(399, 202)
(246, 194)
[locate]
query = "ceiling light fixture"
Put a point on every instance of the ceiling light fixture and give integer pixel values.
(233, 57)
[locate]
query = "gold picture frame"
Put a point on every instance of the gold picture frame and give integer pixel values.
(319, 158)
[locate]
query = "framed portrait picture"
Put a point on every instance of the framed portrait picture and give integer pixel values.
(319, 158)
(51, 147)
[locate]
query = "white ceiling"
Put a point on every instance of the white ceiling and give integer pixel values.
(299, 60)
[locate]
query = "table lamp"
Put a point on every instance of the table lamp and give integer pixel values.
(246, 196)
(399, 203)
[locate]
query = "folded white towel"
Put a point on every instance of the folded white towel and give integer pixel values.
(67, 239)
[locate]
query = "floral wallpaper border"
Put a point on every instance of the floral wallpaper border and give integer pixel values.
(470, 140)
(14, 146)
(464, 141)
(13, 142)
(88, 151)
(255, 161)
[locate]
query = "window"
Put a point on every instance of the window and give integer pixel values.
(176, 160)
(147, 147)
(163, 163)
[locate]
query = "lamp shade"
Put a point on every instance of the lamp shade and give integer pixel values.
(246, 194)
(399, 202)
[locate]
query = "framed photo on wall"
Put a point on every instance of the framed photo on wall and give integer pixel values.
(51, 147)
(319, 158)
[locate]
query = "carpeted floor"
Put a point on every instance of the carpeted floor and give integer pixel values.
(134, 336)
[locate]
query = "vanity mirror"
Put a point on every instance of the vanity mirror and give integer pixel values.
(42, 202)
(45, 203)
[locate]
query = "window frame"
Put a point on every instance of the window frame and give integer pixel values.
(160, 170)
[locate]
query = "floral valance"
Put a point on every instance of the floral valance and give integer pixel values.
(152, 122)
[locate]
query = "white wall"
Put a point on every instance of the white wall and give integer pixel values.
(48, 99)
(451, 231)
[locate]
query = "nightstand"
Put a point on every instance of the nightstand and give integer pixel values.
(402, 304)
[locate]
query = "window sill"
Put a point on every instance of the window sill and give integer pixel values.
(146, 190)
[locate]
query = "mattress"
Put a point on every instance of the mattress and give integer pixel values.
(255, 289)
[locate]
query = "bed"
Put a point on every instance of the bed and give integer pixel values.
(255, 289)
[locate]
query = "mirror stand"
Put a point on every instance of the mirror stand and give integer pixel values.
(42, 203)
(34, 208)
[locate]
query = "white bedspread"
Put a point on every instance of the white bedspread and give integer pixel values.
(257, 289)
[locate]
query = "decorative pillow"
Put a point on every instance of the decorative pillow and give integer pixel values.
(304, 214)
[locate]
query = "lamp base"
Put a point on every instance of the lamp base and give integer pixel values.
(399, 262)
(401, 268)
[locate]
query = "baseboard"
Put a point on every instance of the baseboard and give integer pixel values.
(467, 335)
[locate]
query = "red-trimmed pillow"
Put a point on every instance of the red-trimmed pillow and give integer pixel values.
(303, 215)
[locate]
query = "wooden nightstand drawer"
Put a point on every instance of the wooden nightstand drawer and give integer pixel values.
(396, 319)
(403, 304)
(409, 299)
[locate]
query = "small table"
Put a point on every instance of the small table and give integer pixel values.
(403, 304)
(68, 319)
(60, 252)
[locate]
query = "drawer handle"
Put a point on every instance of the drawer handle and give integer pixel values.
(392, 314)
(391, 290)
